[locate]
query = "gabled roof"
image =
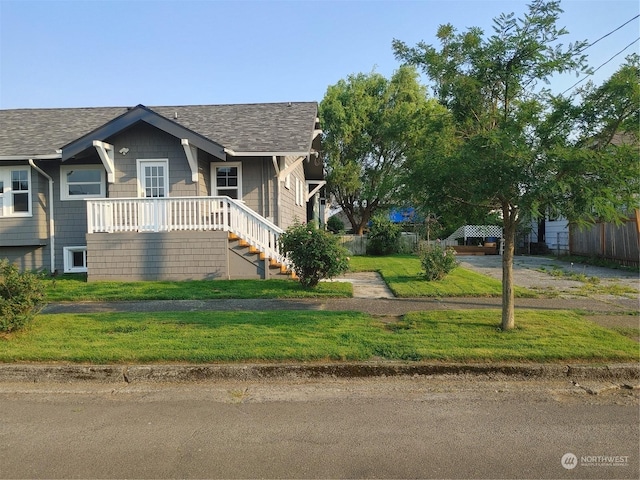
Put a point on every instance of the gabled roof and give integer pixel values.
(278, 128)
(130, 118)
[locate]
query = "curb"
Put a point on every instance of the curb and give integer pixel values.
(195, 373)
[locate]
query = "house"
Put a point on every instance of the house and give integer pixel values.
(148, 193)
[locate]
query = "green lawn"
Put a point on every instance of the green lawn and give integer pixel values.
(75, 288)
(402, 274)
(458, 336)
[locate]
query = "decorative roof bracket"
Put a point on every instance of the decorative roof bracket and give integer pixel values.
(286, 171)
(192, 157)
(105, 151)
(318, 185)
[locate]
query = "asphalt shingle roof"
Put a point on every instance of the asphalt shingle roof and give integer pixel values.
(259, 127)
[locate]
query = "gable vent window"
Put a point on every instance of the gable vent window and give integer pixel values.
(15, 191)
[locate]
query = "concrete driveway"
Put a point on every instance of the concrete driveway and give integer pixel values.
(534, 272)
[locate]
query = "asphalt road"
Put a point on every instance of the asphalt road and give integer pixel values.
(365, 428)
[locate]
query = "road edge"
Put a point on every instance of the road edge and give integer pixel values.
(35, 373)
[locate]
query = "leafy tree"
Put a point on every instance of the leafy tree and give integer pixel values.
(514, 148)
(369, 124)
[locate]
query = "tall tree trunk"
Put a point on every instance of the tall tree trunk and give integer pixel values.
(508, 297)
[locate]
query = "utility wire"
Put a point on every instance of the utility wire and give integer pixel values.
(602, 65)
(606, 35)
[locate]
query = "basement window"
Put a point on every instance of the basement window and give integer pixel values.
(75, 259)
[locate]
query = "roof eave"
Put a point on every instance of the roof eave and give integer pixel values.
(52, 156)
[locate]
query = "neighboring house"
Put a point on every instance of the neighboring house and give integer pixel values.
(548, 235)
(185, 192)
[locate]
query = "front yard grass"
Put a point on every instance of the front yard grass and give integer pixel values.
(403, 275)
(197, 337)
(76, 289)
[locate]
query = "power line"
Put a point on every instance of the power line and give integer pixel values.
(602, 65)
(606, 35)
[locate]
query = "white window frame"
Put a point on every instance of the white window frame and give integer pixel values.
(141, 163)
(64, 186)
(6, 197)
(68, 259)
(214, 176)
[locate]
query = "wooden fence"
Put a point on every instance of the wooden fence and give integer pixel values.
(613, 242)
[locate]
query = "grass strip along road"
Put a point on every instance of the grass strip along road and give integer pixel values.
(452, 336)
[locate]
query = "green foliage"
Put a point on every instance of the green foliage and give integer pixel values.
(315, 253)
(383, 237)
(438, 262)
(369, 124)
(511, 146)
(21, 297)
(335, 225)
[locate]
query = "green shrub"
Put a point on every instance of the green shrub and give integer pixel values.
(21, 297)
(383, 237)
(315, 253)
(437, 262)
(335, 225)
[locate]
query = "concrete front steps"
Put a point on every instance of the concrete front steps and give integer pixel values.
(247, 262)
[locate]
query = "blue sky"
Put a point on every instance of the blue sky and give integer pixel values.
(122, 53)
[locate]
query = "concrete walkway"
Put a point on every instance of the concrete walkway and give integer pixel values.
(366, 285)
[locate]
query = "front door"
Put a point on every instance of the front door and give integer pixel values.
(153, 184)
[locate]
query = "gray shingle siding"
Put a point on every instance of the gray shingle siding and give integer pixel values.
(145, 142)
(27, 258)
(289, 211)
(158, 256)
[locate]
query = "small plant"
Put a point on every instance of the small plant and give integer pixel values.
(335, 225)
(437, 262)
(21, 297)
(315, 253)
(383, 237)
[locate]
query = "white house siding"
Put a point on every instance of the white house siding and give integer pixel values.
(556, 235)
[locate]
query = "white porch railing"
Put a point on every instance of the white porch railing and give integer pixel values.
(114, 215)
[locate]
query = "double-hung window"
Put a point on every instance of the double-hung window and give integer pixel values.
(227, 179)
(15, 191)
